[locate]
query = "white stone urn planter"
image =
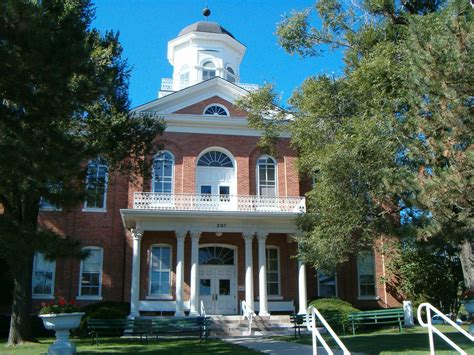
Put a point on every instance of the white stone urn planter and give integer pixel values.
(62, 323)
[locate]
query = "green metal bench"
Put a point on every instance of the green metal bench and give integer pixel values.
(299, 322)
(380, 316)
(144, 327)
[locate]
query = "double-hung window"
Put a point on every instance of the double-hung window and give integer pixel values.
(366, 274)
(327, 285)
(273, 271)
(160, 271)
(43, 277)
(266, 176)
(162, 180)
(91, 274)
(96, 185)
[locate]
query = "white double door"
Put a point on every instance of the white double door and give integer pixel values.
(217, 288)
(216, 185)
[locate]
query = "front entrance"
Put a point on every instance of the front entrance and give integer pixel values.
(217, 280)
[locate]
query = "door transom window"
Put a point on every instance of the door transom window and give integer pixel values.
(216, 256)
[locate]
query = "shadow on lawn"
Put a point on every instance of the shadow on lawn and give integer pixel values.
(395, 343)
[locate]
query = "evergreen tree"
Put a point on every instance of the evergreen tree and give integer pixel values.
(63, 102)
(390, 137)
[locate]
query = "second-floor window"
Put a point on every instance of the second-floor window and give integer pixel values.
(266, 176)
(162, 180)
(96, 185)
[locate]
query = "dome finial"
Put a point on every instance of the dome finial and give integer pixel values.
(206, 12)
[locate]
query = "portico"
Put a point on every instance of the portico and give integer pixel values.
(215, 258)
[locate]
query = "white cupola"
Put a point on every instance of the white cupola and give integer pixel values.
(202, 51)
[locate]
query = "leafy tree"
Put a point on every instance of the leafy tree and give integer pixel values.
(63, 102)
(428, 271)
(391, 136)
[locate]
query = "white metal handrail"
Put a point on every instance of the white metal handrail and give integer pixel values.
(202, 311)
(428, 308)
(311, 325)
(248, 313)
(205, 202)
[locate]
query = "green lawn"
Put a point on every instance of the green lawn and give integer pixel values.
(132, 346)
(390, 341)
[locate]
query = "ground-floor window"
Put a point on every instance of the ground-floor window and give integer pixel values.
(327, 285)
(43, 276)
(366, 273)
(91, 274)
(160, 270)
(273, 271)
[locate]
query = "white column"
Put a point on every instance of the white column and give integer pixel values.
(302, 287)
(262, 276)
(248, 270)
(194, 304)
(180, 235)
(135, 284)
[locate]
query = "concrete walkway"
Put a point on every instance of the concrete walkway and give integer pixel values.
(276, 347)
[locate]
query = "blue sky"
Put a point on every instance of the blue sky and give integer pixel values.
(147, 25)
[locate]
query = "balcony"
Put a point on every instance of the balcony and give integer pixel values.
(167, 85)
(223, 203)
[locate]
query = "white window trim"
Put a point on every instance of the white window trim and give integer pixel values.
(335, 284)
(359, 296)
(164, 296)
(258, 173)
(219, 105)
(91, 297)
(152, 187)
(227, 72)
(44, 296)
(106, 190)
(277, 296)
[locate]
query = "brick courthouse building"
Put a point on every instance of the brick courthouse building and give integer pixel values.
(215, 221)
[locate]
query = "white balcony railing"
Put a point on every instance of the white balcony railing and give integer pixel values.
(167, 85)
(198, 202)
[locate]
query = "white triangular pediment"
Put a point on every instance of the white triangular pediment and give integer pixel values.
(192, 95)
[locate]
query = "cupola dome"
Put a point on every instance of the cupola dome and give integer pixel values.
(205, 26)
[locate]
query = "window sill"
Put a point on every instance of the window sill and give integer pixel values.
(94, 210)
(42, 297)
(160, 297)
(50, 209)
(274, 298)
(89, 298)
(368, 298)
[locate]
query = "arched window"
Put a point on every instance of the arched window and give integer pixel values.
(96, 185)
(160, 270)
(208, 70)
(184, 76)
(216, 256)
(216, 110)
(266, 176)
(90, 286)
(230, 75)
(162, 179)
(215, 159)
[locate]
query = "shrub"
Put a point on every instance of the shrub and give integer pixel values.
(102, 310)
(335, 311)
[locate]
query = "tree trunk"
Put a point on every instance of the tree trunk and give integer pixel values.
(466, 255)
(20, 323)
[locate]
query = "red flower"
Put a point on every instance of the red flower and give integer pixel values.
(62, 302)
(72, 302)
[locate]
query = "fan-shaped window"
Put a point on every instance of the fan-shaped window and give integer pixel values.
(162, 180)
(266, 176)
(230, 74)
(215, 159)
(216, 110)
(216, 256)
(208, 70)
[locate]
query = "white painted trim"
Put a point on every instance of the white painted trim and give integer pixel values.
(42, 297)
(368, 298)
(106, 189)
(160, 306)
(159, 296)
(94, 210)
(218, 105)
(89, 297)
